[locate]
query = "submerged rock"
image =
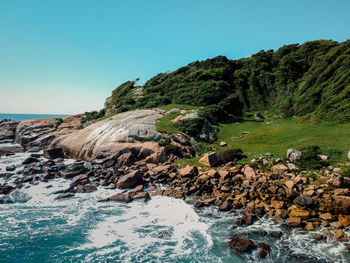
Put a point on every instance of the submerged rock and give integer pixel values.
(242, 245)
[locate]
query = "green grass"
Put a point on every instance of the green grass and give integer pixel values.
(178, 106)
(166, 125)
(283, 134)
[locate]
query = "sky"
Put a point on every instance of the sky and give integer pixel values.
(66, 56)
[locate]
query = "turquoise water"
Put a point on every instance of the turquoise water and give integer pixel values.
(21, 117)
(35, 227)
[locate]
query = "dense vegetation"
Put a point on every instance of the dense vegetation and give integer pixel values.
(311, 80)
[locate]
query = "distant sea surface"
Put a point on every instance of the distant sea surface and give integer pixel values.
(21, 117)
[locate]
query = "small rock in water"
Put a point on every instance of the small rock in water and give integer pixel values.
(65, 195)
(10, 168)
(241, 244)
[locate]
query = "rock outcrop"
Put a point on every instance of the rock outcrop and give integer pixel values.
(129, 132)
(7, 130)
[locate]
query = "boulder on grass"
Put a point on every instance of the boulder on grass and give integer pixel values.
(210, 159)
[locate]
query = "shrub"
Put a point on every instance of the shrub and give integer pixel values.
(164, 141)
(230, 155)
(171, 149)
(192, 127)
(310, 158)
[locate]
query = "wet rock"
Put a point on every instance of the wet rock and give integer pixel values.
(6, 189)
(326, 216)
(120, 197)
(10, 168)
(85, 188)
(265, 248)
(294, 221)
(309, 227)
(53, 153)
(242, 245)
(299, 213)
(344, 220)
(132, 179)
(65, 195)
(304, 200)
(9, 148)
(30, 160)
(226, 206)
(210, 159)
(80, 180)
(144, 195)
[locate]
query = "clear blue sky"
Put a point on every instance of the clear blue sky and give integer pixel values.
(59, 56)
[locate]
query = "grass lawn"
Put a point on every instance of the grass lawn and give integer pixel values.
(283, 134)
(276, 137)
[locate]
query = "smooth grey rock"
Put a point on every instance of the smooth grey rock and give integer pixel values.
(293, 155)
(11, 148)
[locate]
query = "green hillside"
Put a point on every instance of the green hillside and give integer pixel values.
(311, 80)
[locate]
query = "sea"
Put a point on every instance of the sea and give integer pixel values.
(21, 117)
(35, 227)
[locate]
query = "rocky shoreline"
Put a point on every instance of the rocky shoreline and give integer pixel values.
(143, 172)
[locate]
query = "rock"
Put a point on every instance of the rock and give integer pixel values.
(349, 155)
(80, 180)
(120, 197)
(143, 195)
(222, 144)
(304, 200)
(294, 221)
(336, 225)
(242, 245)
(132, 131)
(299, 213)
(6, 189)
(210, 159)
(53, 153)
(226, 206)
(30, 130)
(342, 204)
(249, 172)
(65, 195)
(326, 216)
(293, 155)
(309, 227)
(344, 220)
(339, 234)
(292, 167)
(324, 157)
(11, 148)
(85, 188)
(188, 171)
(10, 168)
(279, 169)
(29, 160)
(130, 180)
(342, 191)
(199, 204)
(337, 181)
(7, 130)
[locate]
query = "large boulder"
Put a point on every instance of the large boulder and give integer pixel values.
(241, 244)
(210, 159)
(130, 180)
(293, 155)
(7, 130)
(11, 148)
(30, 130)
(133, 131)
